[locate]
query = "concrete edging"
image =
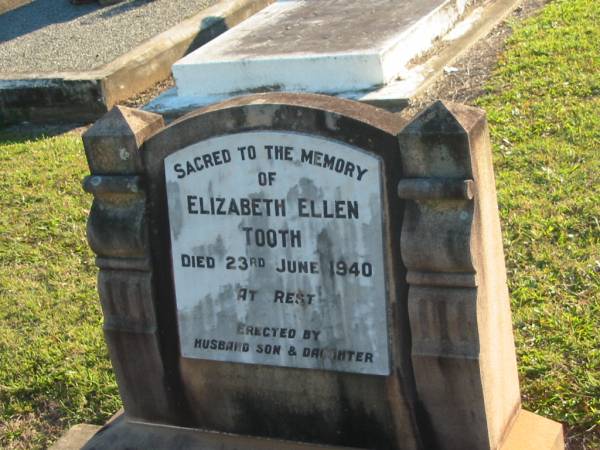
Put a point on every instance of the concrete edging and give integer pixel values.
(484, 19)
(76, 437)
(527, 432)
(85, 96)
(9, 5)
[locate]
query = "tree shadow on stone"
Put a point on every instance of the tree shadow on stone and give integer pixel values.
(39, 14)
(210, 28)
(43, 13)
(122, 8)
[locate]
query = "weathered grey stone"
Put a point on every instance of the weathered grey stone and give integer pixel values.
(49, 99)
(306, 405)
(112, 143)
(118, 233)
(462, 346)
(116, 226)
(124, 434)
(450, 380)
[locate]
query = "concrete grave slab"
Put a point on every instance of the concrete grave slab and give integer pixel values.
(329, 46)
(548, 436)
(395, 95)
(82, 88)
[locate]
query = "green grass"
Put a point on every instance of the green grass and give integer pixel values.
(54, 369)
(544, 113)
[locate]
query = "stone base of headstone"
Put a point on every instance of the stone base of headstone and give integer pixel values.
(76, 437)
(123, 434)
(529, 432)
(533, 432)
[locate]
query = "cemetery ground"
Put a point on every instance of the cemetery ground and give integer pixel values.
(544, 112)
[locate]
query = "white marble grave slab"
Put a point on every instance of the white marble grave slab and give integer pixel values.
(278, 252)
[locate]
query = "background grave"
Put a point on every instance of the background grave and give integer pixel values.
(62, 62)
(386, 54)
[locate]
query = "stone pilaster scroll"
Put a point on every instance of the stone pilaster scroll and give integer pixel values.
(118, 234)
(462, 344)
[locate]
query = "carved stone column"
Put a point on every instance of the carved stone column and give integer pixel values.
(118, 234)
(462, 344)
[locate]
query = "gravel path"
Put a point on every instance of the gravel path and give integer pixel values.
(54, 35)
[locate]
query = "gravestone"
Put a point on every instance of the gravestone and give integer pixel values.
(339, 47)
(284, 270)
(329, 46)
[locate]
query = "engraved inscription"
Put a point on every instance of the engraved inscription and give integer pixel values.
(277, 252)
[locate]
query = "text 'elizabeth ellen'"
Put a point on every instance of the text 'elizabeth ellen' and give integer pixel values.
(272, 207)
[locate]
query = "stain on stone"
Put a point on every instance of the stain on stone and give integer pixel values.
(359, 427)
(309, 189)
(175, 208)
(332, 121)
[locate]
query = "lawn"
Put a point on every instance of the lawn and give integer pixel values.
(54, 369)
(544, 112)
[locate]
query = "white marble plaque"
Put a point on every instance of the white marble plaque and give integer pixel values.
(277, 252)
